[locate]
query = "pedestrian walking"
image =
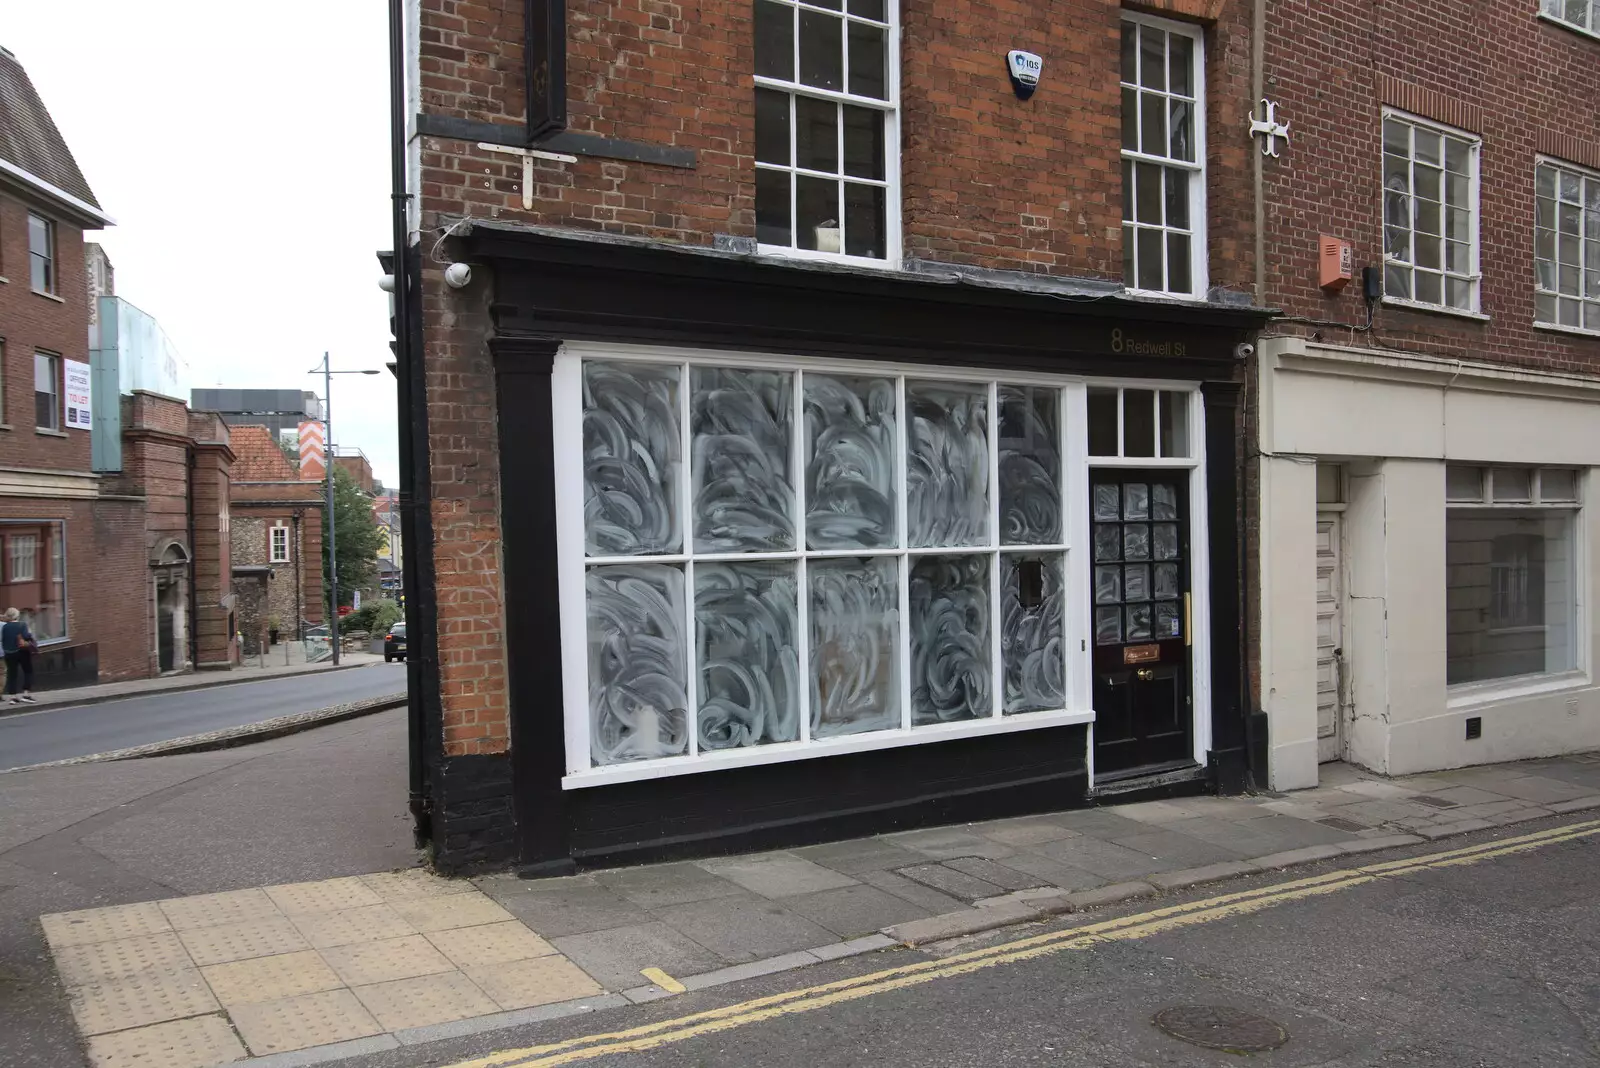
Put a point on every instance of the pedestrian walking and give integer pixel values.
(18, 643)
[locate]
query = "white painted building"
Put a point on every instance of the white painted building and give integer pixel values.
(1427, 582)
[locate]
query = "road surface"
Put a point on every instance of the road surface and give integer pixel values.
(60, 734)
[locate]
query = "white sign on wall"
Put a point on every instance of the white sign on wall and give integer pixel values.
(77, 396)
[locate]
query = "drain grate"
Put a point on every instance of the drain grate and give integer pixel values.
(1432, 802)
(1221, 1028)
(1339, 823)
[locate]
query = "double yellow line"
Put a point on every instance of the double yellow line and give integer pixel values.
(1141, 925)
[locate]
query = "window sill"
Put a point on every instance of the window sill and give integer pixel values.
(784, 752)
(1575, 331)
(1565, 25)
(1473, 694)
(49, 296)
(4, 280)
(5, 426)
(1436, 309)
(47, 432)
(784, 252)
(1162, 294)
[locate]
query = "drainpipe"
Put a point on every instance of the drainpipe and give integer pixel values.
(299, 578)
(1258, 31)
(193, 628)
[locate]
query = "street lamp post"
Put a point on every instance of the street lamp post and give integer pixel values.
(333, 522)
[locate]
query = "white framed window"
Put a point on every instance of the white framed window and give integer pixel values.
(278, 545)
(42, 253)
(817, 556)
(1579, 14)
(1566, 248)
(1511, 552)
(47, 391)
(1430, 214)
(23, 550)
(35, 566)
(1139, 422)
(827, 129)
(1163, 157)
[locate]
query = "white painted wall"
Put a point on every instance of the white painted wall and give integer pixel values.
(1394, 420)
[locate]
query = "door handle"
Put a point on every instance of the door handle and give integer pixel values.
(1145, 674)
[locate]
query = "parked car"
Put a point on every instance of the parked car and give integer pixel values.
(394, 643)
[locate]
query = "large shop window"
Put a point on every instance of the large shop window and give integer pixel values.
(1163, 157)
(1566, 256)
(35, 574)
(827, 144)
(1430, 214)
(1511, 572)
(814, 558)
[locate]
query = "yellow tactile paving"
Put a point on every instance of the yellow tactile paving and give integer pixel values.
(428, 999)
(413, 883)
(393, 958)
(211, 910)
(244, 982)
(145, 998)
(102, 962)
(240, 941)
(523, 984)
(299, 1022)
(198, 1042)
(102, 925)
(370, 923)
(446, 913)
(491, 943)
(329, 895)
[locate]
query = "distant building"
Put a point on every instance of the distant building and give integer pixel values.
(277, 540)
(356, 464)
(279, 410)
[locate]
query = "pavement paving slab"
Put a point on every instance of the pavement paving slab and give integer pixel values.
(777, 874)
(197, 1042)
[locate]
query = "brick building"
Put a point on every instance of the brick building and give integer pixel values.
(277, 538)
(113, 503)
(837, 431)
(1426, 587)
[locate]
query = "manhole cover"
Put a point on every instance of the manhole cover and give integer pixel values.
(1219, 1027)
(1432, 802)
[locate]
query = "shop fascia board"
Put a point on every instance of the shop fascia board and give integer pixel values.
(1388, 365)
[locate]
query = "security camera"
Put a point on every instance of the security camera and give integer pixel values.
(458, 275)
(386, 283)
(1244, 351)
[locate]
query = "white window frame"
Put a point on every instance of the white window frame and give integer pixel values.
(893, 238)
(1559, 17)
(14, 544)
(1588, 250)
(277, 544)
(1479, 691)
(1474, 217)
(1199, 259)
(52, 278)
(572, 562)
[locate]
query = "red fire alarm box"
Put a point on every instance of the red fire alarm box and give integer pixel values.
(1338, 263)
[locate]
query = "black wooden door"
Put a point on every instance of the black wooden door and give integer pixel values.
(1140, 549)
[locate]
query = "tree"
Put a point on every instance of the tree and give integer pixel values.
(359, 536)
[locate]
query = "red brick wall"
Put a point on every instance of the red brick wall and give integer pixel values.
(1494, 65)
(29, 321)
(987, 180)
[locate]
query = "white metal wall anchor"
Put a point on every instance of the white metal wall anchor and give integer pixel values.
(1269, 128)
(528, 156)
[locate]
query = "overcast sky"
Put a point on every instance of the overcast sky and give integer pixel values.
(243, 151)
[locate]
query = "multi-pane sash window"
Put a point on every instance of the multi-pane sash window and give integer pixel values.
(1430, 208)
(826, 143)
(42, 253)
(778, 555)
(1511, 552)
(47, 391)
(1584, 14)
(1163, 158)
(24, 552)
(279, 548)
(1567, 248)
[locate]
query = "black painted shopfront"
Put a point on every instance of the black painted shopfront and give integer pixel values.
(954, 649)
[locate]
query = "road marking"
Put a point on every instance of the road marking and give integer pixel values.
(663, 980)
(1122, 928)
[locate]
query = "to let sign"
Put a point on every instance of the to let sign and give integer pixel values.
(77, 397)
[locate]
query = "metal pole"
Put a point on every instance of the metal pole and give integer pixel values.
(333, 523)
